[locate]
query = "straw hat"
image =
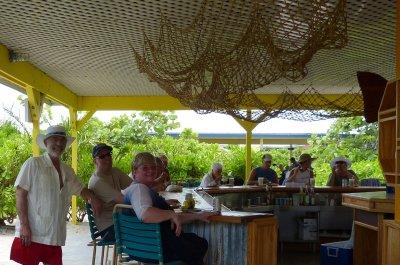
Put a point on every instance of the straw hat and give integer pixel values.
(305, 157)
(57, 130)
(340, 158)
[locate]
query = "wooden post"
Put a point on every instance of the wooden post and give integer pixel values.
(76, 125)
(249, 127)
(35, 105)
(73, 116)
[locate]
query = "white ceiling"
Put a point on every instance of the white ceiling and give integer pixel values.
(85, 44)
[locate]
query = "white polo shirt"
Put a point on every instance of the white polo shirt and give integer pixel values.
(47, 204)
(209, 181)
(138, 195)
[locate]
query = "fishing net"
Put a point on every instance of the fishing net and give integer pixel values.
(232, 48)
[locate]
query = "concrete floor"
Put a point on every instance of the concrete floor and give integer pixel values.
(76, 252)
(299, 258)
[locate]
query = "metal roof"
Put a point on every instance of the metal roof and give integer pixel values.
(85, 44)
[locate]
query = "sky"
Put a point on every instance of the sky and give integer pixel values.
(199, 123)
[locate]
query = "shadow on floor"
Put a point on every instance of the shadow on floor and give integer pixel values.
(298, 258)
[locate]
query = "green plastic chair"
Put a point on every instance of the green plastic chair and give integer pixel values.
(95, 234)
(140, 241)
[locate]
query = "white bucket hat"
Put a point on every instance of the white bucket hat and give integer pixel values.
(57, 130)
(340, 158)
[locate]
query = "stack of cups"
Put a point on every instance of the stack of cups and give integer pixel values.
(260, 181)
(312, 182)
(216, 205)
(231, 181)
(351, 182)
(344, 182)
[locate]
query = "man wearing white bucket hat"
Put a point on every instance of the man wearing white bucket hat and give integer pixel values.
(212, 178)
(44, 187)
(340, 171)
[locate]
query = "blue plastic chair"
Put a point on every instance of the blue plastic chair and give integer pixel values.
(95, 234)
(370, 182)
(141, 241)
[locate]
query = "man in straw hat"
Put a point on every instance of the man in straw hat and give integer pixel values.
(340, 170)
(302, 173)
(152, 208)
(44, 187)
(212, 178)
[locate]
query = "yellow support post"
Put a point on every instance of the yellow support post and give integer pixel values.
(35, 105)
(76, 125)
(73, 117)
(84, 119)
(249, 127)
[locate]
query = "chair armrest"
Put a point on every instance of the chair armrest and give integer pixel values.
(119, 206)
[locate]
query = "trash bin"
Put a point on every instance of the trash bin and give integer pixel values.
(336, 253)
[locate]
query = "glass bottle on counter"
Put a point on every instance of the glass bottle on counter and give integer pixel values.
(312, 197)
(301, 196)
(307, 196)
(269, 198)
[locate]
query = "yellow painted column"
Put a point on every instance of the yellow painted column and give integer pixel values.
(73, 116)
(76, 125)
(249, 127)
(35, 105)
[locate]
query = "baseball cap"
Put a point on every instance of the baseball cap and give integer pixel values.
(100, 147)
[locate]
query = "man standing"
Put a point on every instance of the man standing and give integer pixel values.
(44, 187)
(107, 183)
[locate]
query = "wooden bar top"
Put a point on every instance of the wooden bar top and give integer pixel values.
(378, 201)
(317, 189)
(226, 215)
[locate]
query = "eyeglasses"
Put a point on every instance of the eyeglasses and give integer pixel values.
(104, 156)
(340, 162)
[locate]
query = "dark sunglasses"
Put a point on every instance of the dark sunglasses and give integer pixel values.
(104, 156)
(340, 162)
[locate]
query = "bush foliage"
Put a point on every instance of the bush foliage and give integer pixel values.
(189, 158)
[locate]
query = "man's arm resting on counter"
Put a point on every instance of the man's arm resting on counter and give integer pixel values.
(156, 215)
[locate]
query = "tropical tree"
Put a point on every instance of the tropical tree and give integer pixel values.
(353, 138)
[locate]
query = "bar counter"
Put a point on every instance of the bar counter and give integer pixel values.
(301, 220)
(317, 189)
(234, 237)
(370, 211)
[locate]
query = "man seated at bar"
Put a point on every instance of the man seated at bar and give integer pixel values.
(159, 183)
(152, 208)
(340, 171)
(212, 178)
(302, 173)
(107, 182)
(166, 175)
(265, 171)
